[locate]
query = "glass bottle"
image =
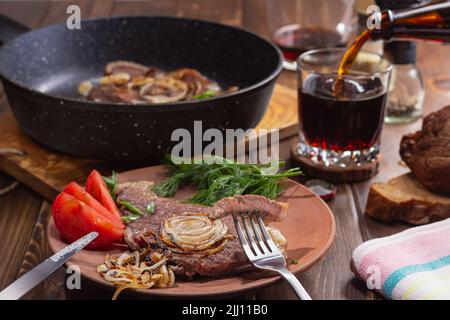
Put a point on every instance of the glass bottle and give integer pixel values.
(431, 22)
(406, 91)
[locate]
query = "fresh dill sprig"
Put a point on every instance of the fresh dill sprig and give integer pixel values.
(223, 178)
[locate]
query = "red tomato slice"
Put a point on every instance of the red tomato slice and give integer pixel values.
(98, 189)
(74, 189)
(74, 219)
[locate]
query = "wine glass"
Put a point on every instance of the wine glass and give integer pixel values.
(298, 26)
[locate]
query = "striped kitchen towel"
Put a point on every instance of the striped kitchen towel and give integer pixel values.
(413, 264)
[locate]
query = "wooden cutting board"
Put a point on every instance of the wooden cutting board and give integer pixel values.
(47, 172)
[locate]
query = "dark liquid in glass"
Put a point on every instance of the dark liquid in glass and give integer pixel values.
(293, 41)
(350, 121)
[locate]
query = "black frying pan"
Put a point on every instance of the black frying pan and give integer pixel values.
(41, 70)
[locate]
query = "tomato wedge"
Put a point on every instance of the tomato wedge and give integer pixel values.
(75, 190)
(96, 186)
(74, 219)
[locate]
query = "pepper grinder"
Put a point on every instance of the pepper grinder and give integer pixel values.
(406, 92)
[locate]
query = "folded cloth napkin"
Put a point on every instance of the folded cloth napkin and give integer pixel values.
(410, 265)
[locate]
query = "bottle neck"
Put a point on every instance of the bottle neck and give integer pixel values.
(426, 23)
(404, 15)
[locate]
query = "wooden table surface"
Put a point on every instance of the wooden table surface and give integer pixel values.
(23, 213)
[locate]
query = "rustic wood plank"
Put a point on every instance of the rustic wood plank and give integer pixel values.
(29, 13)
(37, 251)
(102, 8)
(56, 12)
(5, 180)
(227, 12)
(3, 101)
(19, 207)
(19, 210)
(146, 8)
(89, 9)
(254, 17)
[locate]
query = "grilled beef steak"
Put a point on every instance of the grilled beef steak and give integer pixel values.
(146, 230)
(268, 210)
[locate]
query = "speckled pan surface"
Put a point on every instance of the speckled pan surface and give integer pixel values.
(309, 228)
(41, 70)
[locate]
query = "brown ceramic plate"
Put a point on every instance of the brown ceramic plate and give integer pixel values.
(309, 229)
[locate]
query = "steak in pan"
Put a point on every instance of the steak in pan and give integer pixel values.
(228, 257)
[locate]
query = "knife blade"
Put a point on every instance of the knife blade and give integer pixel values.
(36, 275)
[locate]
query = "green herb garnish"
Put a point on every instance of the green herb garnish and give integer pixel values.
(223, 178)
(130, 218)
(205, 95)
(111, 183)
(136, 212)
(127, 205)
(294, 261)
(150, 207)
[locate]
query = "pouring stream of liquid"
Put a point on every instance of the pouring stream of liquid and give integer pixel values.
(347, 60)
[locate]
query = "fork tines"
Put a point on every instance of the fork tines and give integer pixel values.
(254, 237)
(262, 251)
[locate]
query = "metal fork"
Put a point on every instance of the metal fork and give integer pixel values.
(262, 251)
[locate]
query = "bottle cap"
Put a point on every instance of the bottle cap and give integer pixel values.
(400, 52)
(323, 189)
(399, 5)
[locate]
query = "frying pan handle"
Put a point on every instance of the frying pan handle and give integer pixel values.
(9, 29)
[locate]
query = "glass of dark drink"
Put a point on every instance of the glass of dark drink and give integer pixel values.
(341, 116)
(298, 26)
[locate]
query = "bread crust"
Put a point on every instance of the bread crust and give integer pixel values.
(427, 152)
(414, 211)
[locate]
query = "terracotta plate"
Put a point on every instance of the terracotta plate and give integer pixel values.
(309, 229)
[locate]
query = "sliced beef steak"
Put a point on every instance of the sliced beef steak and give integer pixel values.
(146, 230)
(267, 209)
(113, 93)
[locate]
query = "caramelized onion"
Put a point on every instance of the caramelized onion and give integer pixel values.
(193, 233)
(196, 82)
(164, 90)
(132, 68)
(133, 270)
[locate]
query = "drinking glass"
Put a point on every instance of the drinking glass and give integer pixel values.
(298, 26)
(341, 116)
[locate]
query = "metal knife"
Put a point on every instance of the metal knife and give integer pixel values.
(33, 277)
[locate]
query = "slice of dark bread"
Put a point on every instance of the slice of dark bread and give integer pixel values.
(427, 152)
(404, 198)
